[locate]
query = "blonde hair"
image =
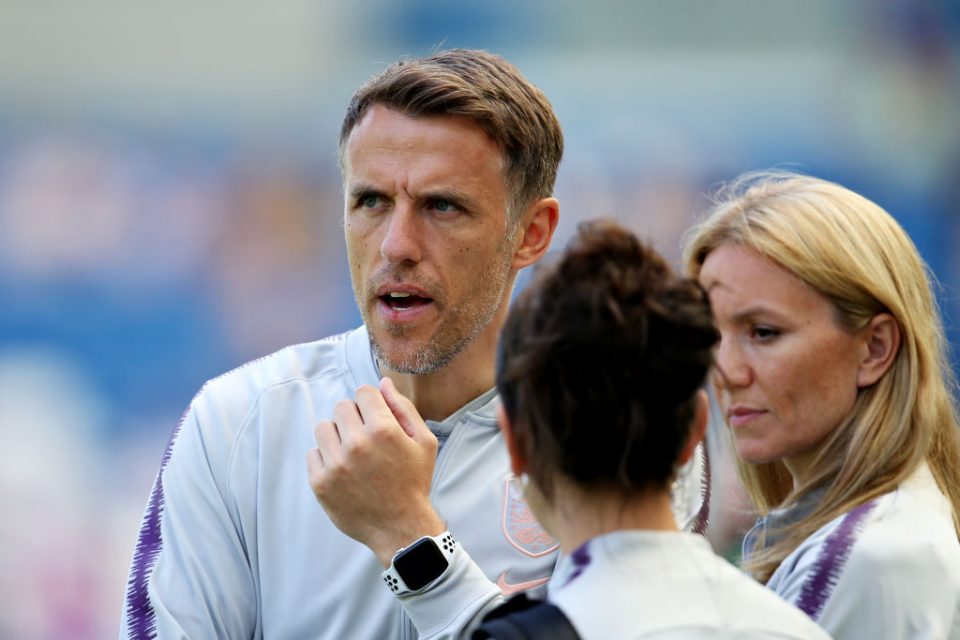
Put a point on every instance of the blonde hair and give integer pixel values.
(856, 255)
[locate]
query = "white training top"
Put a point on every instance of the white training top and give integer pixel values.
(635, 584)
(234, 545)
(888, 569)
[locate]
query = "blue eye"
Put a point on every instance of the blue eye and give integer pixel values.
(443, 206)
(369, 201)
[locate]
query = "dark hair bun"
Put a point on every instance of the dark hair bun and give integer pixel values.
(600, 361)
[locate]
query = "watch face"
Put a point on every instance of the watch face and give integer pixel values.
(420, 564)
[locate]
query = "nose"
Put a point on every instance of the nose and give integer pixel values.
(402, 240)
(732, 368)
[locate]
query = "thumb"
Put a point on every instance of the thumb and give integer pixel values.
(403, 410)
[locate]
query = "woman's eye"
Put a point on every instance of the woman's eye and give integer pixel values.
(765, 333)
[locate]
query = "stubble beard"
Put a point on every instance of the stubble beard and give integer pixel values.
(463, 323)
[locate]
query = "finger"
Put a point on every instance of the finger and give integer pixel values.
(401, 407)
(348, 420)
(373, 408)
(328, 440)
(314, 465)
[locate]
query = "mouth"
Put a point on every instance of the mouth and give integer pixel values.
(740, 416)
(403, 303)
(403, 300)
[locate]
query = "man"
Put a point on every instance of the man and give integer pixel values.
(448, 163)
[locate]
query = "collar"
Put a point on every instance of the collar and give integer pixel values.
(362, 367)
(771, 528)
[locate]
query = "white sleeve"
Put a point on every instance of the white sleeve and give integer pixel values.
(891, 595)
(454, 605)
(853, 603)
(886, 588)
(190, 577)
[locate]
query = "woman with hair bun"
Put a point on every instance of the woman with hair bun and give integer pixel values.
(833, 376)
(600, 370)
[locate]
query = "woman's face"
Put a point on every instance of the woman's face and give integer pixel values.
(786, 371)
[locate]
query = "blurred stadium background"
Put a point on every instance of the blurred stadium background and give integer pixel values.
(170, 207)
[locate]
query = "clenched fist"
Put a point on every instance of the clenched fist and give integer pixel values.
(372, 468)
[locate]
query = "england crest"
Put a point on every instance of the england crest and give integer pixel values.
(519, 524)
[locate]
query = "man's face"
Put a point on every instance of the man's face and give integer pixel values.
(427, 235)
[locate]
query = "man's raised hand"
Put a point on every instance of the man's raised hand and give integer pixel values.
(372, 468)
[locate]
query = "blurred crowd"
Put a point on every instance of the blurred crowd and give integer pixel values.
(141, 254)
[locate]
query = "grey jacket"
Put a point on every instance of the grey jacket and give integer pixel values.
(234, 545)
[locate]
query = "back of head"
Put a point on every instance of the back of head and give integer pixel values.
(600, 361)
(486, 89)
(855, 254)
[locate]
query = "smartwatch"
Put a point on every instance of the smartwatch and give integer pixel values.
(419, 564)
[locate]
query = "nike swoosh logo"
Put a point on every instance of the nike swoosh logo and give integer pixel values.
(510, 588)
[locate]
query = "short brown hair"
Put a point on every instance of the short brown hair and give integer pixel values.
(600, 361)
(486, 89)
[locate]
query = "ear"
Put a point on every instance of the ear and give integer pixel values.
(698, 428)
(536, 232)
(880, 347)
(518, 463)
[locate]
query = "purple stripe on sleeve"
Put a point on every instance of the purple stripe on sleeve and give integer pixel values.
(141, 619)
(830, 562)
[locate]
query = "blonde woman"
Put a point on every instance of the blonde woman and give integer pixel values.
(833, 377)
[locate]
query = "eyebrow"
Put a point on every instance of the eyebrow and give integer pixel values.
(461, 198)
(757, 310)
(359, 190)
(453, 195)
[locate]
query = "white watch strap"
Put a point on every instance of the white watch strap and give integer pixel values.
(444, 542)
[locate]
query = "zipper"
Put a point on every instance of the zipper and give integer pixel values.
(407, 630)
